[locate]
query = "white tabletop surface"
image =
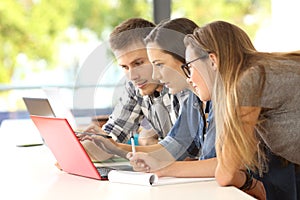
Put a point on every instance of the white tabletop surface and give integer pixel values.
(29, 173)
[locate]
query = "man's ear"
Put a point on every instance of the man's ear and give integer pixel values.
(213, 59)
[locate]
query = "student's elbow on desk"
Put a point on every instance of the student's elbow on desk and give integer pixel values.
(224, 179)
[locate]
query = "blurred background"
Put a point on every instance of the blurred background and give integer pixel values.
(49, 43)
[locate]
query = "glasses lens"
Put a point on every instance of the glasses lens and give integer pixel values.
(186, 70)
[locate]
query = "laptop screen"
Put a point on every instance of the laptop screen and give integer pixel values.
(38, 106)
(65, 146)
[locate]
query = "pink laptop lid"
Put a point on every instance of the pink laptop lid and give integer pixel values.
(68, 151)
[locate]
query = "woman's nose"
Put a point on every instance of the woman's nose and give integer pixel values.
(189, 81)
(156, 75)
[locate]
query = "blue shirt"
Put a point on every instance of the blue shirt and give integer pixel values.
(189, 134)
(208, 145)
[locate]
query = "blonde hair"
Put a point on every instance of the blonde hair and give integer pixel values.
(235, 54)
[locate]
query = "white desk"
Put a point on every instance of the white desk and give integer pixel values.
(29, 173)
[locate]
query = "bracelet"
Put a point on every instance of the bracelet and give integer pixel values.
(254, 184)
(249, 180)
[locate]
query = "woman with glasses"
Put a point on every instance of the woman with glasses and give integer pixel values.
(257, 111)
(166, 52)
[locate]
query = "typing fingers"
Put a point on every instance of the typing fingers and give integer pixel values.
(83, 137)
(93, 128)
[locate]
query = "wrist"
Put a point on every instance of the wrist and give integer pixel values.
(248, 181)
(164, 171)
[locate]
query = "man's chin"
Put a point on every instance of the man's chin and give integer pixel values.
(145, 92)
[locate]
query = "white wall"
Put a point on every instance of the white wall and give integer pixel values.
(282, 31)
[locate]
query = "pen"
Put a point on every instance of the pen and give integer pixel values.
(91, 134)
(132, 142)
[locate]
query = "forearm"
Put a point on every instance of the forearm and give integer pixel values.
(146, 149)
(242, 180)
(230, 170)
(199, 168)
(228, 173)
(226, 178)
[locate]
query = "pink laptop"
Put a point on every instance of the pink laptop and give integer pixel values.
(67, 149)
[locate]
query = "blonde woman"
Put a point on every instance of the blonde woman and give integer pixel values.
(256, 103)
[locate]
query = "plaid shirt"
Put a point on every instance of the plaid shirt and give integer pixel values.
(132, 108)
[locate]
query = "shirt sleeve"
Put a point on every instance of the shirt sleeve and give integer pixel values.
(250, 86)
(125, 117)
(185, 136)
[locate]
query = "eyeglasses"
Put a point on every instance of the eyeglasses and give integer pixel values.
(186, 67)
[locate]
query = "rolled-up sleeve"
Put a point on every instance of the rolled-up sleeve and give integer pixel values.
(184, 139)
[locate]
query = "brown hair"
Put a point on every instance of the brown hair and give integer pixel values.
(130, 31)
(169, 36)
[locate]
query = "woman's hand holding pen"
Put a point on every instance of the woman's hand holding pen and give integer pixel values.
(150, 162)
(139, 160)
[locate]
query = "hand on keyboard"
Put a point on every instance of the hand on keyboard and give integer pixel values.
(109, 146)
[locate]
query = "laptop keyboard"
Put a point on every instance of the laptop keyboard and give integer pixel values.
(103, 171)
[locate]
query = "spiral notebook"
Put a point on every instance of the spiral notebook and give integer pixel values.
(148, 179)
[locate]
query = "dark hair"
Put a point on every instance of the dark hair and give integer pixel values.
(130, 31)
(169, 36)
